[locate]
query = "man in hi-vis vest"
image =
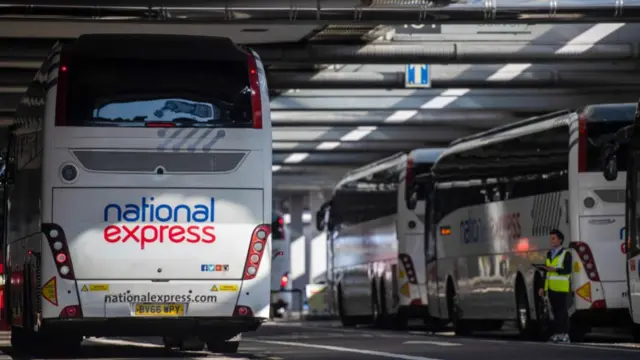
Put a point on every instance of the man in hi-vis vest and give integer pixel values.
(557, 285)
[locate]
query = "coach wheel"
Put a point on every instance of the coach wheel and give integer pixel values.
(347, 321)
(455, 313)
(522, 308)
(225, 347)
(192, 343)
(170, 342)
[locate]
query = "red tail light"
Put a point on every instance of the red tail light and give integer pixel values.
(408, 179)
(409, 175)
(71, 312)
(582, 144)
(58, 244)
(416, 302)
(284, 280)
(256, 98)
(63, 88)
(586, 257)
(408, 267)
(243, 311)
(599, 304)
(160, 124)
(256, 249)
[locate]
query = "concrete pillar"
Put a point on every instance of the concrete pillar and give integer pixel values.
(317, 241)
(299, 275)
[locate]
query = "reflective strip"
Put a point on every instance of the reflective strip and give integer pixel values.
(559, 277)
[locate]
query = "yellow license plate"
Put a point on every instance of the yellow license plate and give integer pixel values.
(159, 309)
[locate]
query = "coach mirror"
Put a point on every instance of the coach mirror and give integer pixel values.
(610, 162)
(320, 220)
(420, 185)
(322, 217)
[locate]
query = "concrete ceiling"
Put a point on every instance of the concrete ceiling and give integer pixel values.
(319, 134)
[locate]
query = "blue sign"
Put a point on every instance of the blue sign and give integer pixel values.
(417, 76)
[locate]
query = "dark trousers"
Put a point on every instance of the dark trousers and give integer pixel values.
(560, 306)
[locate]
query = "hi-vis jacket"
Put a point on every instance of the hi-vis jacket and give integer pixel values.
(559, 280)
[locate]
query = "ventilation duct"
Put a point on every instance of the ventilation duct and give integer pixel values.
(334, 12)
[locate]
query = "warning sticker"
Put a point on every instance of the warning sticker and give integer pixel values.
(223, 287)
(50, 291)
(95, 287)
(229, 288)
(584, 291)
(98, 287)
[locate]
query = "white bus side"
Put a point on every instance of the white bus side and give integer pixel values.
(153, 185)
(372, 230)
(495, 199)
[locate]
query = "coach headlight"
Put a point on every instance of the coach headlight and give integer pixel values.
(69, 172)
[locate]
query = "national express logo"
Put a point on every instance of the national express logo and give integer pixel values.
(148, 222)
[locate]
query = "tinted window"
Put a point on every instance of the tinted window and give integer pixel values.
(121, 92)
(602, 124)
(418, 170)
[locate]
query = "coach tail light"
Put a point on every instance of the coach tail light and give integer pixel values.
(408, 267)
(59, 249)
(256, 249)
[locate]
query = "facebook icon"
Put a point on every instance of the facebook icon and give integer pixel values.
(417, 76)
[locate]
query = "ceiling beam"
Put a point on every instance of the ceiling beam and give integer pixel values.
(543, 100)
(396, 80)
(49, 31)
(432, 134)
(329, 158)
(468, 79)
(352, 147)
(328, 12)
(481, 118)
(278, 45)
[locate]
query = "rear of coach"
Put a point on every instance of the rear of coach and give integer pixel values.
(157, 186)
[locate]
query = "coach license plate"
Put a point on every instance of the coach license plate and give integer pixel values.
(159, 309)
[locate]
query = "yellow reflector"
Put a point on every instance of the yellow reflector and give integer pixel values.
(404, 290)
(50, 291)
(401, 274)
(576, 267)
(584, 291)
(445, 230)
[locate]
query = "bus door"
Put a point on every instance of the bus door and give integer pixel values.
(7, 166)
(633, 236)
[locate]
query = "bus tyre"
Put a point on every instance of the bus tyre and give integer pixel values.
(523, 312)
(541, 328)
(375, 306)
(19, 340)
(170, 342)
(635, 332)
(347, 321)
(383, 314)
(460, 327)
(192, 343)
(401, 319)
(224, 347)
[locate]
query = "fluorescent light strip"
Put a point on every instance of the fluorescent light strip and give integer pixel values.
(295, 158)
(579, 44)
(275, 168)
